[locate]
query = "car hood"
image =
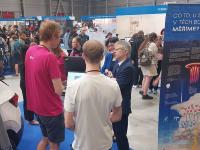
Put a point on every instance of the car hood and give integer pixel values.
(5, 93)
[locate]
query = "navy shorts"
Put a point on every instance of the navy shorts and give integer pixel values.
(52, 127)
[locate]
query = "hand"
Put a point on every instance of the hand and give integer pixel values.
(109, 74)
(106, 72)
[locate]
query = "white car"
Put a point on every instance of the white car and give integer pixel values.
(11, 114)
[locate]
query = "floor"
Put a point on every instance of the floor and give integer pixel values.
(143, 122)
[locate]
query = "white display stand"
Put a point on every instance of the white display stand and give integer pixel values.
(147, 18)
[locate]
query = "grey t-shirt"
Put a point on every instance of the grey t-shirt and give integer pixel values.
(92, 98)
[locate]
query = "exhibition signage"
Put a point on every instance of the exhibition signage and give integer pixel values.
(87, 18)
(57, 18)
(179, 116)
(159, 9)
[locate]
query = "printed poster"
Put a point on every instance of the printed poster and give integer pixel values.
(179, 116)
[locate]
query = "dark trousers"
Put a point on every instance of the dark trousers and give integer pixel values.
(151, 86)
(120, 131)
(135, 75)
(28, 115)
(140, 76)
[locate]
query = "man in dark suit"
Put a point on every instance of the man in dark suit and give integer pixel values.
(123, 72)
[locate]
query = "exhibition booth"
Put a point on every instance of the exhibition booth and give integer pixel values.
(130, 20)
(34, 21)
(102, 23)
(65, 21)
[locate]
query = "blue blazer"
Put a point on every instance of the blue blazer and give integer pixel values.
(107, 63)
(124, 76)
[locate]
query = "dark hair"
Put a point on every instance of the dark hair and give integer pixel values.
(141, 34)
(113, 40)
(135, 35)
(107, 42)
(75, 28)
(152, 37)
(143, 44)
(78, 39)
(109, 33)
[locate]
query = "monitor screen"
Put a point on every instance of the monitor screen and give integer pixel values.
(74, 64)
(73, 76)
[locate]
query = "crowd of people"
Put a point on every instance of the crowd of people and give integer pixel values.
(97, 106)
(11, 40)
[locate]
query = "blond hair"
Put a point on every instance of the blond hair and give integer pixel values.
(48, 30)
(93, 51)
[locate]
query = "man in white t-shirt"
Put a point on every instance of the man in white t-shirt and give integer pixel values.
(92, 103)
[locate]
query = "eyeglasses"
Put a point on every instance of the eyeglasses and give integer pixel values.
(118, 49)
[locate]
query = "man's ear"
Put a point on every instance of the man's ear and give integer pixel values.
(127, 53)
(83, 55)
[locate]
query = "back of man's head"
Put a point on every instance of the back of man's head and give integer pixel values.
(48, 30)
(93, 51)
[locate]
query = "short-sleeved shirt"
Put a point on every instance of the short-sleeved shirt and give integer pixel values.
(92, 98)
(40, 68)
(60, 62)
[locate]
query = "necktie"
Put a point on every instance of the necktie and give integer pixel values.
(116, 69)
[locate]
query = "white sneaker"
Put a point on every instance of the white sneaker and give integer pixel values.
(150, 91)
(155, 92)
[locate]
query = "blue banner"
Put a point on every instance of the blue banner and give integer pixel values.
(179, 115)
(160, 9)
(57, 18)
(87, 18)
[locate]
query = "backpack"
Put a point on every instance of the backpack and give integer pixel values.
(145, 56)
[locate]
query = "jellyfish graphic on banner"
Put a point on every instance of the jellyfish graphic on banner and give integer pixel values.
(194, 72)
(179, 115)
